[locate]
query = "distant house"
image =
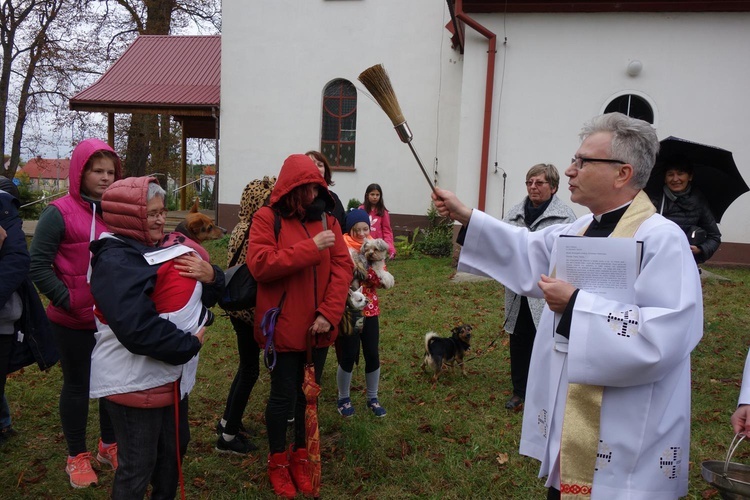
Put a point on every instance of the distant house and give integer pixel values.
(47, 174)
(208, 175)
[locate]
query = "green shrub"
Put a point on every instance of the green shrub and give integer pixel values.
(405, 244)
(353, 203)
(437, 238)
(207, 199)
(33, 207)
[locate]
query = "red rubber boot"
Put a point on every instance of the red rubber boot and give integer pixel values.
(278, 474)
(299, 466)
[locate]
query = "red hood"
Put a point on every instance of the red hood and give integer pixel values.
(299, 170)
(124, 208)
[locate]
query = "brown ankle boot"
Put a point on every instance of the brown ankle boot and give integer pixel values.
(300, 469)
(278, 473)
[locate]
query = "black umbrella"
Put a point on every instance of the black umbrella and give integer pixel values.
(715, 173)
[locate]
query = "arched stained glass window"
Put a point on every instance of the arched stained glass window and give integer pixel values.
(339, 127)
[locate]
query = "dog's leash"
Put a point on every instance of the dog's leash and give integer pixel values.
(485, 349)
(496, 336)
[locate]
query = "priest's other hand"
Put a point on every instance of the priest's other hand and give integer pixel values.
(557, 292)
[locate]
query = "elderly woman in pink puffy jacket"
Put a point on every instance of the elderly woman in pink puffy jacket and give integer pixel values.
(151, 313)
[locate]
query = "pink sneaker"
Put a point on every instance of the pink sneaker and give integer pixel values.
(107, 456)
(80, 471)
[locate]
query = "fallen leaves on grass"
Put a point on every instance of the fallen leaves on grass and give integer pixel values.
(405, 449)
(425, 428)
(38, 472)
(362, 472)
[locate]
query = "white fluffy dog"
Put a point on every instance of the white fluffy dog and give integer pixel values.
(373, 254)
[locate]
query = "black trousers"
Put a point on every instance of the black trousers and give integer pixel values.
(75, 347)
(147, 449)
(347, 346)
(521, 344)
(245, 378)
(286, 394)
(6, 342)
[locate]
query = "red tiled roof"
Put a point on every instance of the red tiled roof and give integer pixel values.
(177, 72)
(457, 26)
(43, 168)
(488, 6)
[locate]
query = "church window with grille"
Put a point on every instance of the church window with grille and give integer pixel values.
(339, 127)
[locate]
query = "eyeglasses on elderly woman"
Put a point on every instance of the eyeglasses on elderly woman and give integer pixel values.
(156, 214)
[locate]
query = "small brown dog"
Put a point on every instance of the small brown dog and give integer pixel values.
(439, 351)
(199, 227)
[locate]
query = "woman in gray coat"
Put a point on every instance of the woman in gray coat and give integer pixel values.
(541, 208)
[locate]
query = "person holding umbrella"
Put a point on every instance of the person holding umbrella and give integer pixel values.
(303, 273)
(685, 205)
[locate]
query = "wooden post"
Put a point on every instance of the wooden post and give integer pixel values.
(111, 130)
(183, 171)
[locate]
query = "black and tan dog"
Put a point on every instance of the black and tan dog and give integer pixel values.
(439, 351)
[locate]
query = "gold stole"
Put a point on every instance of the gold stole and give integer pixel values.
(580, 433)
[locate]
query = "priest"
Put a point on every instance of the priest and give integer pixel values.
(608, 401)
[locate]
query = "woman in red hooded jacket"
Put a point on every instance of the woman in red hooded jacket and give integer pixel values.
(303, 269)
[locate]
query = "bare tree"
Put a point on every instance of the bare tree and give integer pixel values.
(25, 36)
(53, 49)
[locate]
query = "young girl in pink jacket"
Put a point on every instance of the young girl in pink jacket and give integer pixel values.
(380, 220)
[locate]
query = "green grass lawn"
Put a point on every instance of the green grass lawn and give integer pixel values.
(453, 440)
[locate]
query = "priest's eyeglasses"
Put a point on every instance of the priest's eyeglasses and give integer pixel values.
(578, 161)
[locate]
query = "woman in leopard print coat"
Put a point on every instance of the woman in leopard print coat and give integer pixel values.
(254, 196)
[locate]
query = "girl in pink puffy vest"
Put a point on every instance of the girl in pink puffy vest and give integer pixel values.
(59, 268)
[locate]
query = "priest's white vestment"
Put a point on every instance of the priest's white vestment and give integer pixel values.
(745, 388)
(644, 366)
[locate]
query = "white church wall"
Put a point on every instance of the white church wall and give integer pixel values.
(562, 69)
(555, 72)
(277, 58)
